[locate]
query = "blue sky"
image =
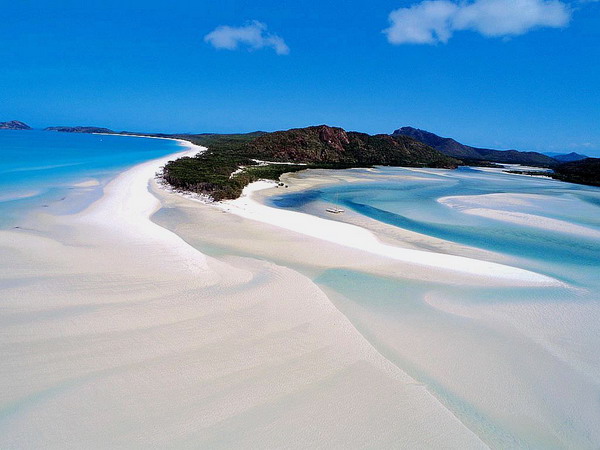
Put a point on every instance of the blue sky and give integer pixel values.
(519, 74)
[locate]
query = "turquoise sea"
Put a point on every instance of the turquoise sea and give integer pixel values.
(412, 203)
(38, 169)
(520, 366)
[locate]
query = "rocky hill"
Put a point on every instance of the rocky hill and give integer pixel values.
(566, 157)
(80, 130)
(14, 125)
(450, 147)
(335, 145)
(312, 147)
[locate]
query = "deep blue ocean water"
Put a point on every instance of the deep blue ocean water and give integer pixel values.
(39, 168)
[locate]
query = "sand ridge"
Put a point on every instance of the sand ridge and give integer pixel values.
(355, 237)
(116, 332)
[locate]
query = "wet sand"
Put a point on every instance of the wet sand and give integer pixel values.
(118, 332)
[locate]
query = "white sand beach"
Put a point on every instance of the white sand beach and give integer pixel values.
(150, 319)
(118, 333)
(505, 358)
(494, 206)
(264, 225)
(358, 238)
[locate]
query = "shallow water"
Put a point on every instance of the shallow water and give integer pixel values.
(39, 169)
(519, 366)
(413, 205)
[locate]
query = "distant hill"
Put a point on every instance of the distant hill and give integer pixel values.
(80, 130)
(450, 147)
(335, 145)
(566, 157)
(312, 147)
(14, 125)
(585, 171)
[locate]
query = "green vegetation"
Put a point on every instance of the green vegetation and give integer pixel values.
(479, 163)
(215, 172)
(80, 130)
(533, 173)
(210, 172)
(585, 171)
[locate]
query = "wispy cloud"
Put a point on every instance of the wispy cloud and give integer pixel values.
(433, 21)
(252, 36)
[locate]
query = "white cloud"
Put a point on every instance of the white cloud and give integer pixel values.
(433, 21)
(253, 36)
(427, 22)
(511, 17)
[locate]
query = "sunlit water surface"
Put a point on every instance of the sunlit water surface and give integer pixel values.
(42, 169)
(520, 366)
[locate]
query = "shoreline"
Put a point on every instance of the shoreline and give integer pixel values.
(475, 342)
(359, 238)
(124, 318)
(123, 328)
(63, 193)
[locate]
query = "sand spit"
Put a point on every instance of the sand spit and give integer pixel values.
(501, 207)
(117, 333)
(496, 355)
(358, 238)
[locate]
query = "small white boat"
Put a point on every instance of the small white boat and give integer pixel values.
(334, 210)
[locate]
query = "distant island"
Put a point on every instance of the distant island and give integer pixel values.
(468, 154)
(14, 125)
(80, 130)
(233, 161)
(566, 157)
